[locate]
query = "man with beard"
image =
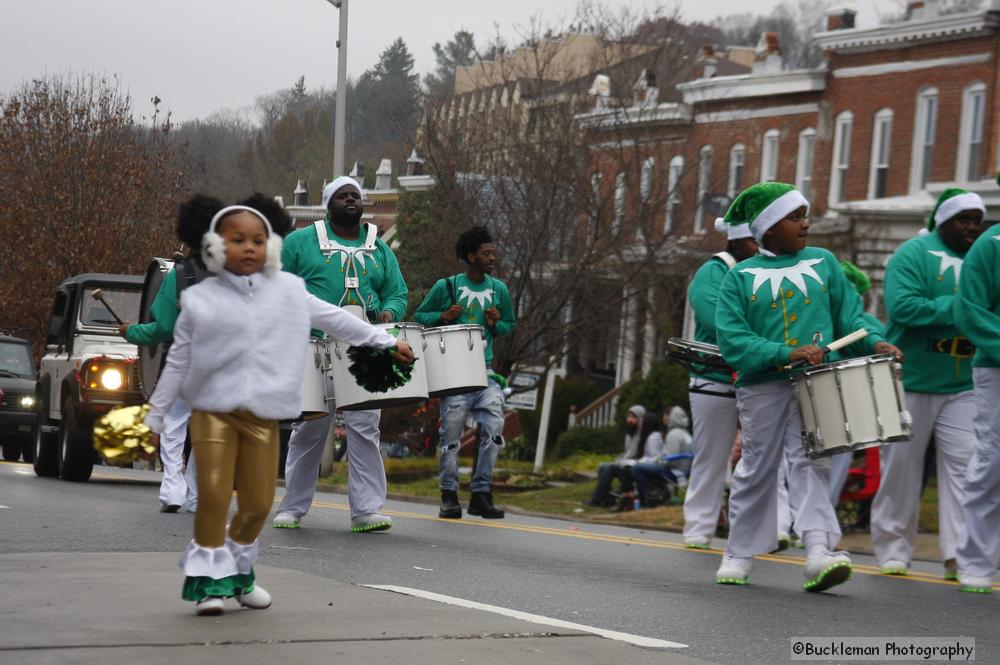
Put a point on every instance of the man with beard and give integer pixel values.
(607, 472)
(344, 263)
(921, 281)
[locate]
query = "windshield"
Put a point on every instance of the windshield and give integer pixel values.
(124, 302)
(15, 359)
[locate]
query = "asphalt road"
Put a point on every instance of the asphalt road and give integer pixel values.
(637, 582)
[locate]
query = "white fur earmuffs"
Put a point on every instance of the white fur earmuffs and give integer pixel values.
(213, 247)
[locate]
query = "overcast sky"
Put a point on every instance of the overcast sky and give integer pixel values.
(202, 55)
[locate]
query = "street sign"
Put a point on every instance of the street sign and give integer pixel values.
(528, 383)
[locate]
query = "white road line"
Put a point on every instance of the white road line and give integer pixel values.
(637, 640)
(3, 507)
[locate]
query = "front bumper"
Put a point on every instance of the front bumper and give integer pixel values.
(17, 422)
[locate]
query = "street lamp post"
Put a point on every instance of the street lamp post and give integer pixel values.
(341, 108)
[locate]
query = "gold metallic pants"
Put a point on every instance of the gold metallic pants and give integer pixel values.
(233, 448)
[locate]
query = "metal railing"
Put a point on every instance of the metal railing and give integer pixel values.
(599, 413)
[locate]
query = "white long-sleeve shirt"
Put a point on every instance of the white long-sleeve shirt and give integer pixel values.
(240, 343)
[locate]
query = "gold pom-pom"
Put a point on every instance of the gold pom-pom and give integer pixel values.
(121, 435)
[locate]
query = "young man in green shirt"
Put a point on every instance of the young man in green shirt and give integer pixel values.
(344, 263)
(921, 280)
(775, 309)
(977, 314)
(472, 297)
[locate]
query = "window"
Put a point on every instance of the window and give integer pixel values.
(804, 163)
(881, 148)
(704, 177)
(970, 138)
(646, 179)
(595, 203)
(769, 156)
(924, 128)
(841, 157)
(674, 191)
(737, 158)
(616, 224)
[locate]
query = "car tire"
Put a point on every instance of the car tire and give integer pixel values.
(46, 453)
(11, 450)
(76, 453)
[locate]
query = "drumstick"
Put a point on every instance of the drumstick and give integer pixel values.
(99, 296)
(835, 345)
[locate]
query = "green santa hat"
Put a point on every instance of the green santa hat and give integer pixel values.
(857, 277)
(760, 207)
(951, 202)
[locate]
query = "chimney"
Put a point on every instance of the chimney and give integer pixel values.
(383, 177)
(922, 10)
(840, 17)
(301, 194)
(358, 173)
(710, 62)
(414, 164)
(767, 55)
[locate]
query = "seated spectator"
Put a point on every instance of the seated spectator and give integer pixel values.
(655, 477)
(606, 473)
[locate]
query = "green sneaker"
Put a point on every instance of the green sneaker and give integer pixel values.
(370, 522)
(826, 570)
(285, 521)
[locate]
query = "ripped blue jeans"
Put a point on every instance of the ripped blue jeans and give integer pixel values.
(486, 408)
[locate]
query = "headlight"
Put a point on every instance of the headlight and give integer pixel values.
(111, 379)
(27, 402)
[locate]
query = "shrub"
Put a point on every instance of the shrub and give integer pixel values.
(603, 440)
(666, 384)
(568, 392)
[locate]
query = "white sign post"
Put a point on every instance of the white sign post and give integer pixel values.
(543, 425)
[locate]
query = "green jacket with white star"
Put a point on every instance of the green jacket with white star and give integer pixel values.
(474, 299)
(380, 281)
(921, 280)
(703, 294)
(771, 305)
(977, 307)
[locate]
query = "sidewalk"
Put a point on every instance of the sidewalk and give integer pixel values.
(125, 609)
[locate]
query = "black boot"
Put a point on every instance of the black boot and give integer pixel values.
(481, 504)
(451, 509)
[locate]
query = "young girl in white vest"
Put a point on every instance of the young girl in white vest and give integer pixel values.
(240, 344)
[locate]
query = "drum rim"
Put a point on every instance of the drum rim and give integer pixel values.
(400, 324)
(457, 327)
(859, 361)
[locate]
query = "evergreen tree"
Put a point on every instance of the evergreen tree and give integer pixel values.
(460, 51)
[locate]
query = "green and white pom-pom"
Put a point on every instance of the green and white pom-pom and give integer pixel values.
(376, 370)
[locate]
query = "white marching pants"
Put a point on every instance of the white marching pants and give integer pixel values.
(715, 423)
(772, 428)
(179, 486)
(979, 535)
(785, 512)
(841, 466)
(896, 509)
(366, 485)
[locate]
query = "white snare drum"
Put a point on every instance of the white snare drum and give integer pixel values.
(314, 381)
(456, 359)
(851, 405)
(697, 356)
(349, 396)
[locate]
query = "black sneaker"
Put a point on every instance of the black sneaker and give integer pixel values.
(451, 509)
(481, 504)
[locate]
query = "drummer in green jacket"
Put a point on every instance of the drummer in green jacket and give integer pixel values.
(921, 280)
(473, 297)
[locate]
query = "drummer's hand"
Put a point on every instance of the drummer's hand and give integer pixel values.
(403, 352)
(813, 355)
(451, 313)
(123, 328)
(492, 315)
(385, 317)
(886, 347)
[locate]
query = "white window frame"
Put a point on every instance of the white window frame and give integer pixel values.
(674, 174)
(924, 136)
(840, 164)
(619, 215)
(971, 132)
(646, 178)
(805, 161)
(705, 158)
(595, 202)
(737, 169)
(881, 138)
(769, 150)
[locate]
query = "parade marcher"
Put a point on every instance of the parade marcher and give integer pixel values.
(239, 345)
(770, 308)
(343, 262)
(977, 314)
(472, 297)
(713, 407)
(921, 280)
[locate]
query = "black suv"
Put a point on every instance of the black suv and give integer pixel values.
(18, 399)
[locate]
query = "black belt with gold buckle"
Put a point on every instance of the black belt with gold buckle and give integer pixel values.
(956, 347)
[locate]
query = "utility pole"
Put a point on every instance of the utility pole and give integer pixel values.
(341, 107)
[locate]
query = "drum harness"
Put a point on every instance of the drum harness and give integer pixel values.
(699, 388)
(351, 280)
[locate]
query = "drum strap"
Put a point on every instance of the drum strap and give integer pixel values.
(699, 388)
(330, 247)
(726, 258)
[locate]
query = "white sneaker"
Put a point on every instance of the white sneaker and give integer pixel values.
(698, 542)
(826, 570)
(370, 522)
(894, 567)
(734, 569)
(258, 599)
(285, 520)
(210, 606)
(974, 584)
